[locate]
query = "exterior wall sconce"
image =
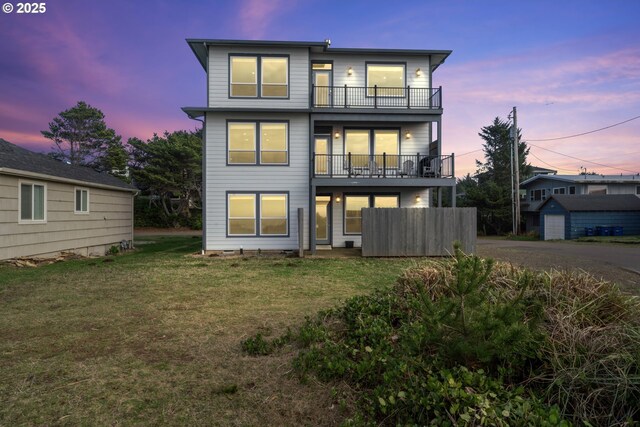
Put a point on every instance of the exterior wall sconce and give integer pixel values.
(350, 71)
(407, 135)
(418, 198)
(418, 72)
(336, 135)
(337, 199)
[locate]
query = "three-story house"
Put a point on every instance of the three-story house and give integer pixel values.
(292, 125)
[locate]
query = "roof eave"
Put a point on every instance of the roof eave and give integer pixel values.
(42, 176)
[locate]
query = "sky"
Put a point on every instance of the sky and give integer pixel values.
(568, 66)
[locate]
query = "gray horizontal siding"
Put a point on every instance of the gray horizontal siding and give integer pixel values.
(221, 179)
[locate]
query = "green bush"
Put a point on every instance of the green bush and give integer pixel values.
(148, 213)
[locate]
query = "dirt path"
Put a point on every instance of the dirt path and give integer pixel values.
(616, 263)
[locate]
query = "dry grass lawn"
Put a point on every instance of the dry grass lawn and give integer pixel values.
(153, 337)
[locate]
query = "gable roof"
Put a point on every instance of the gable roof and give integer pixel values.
(588, 179)
(16, 161)
(595, 202)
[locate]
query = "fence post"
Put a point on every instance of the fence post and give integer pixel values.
(301, 232)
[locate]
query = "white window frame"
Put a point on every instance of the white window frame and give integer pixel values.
(75, 194)
(557, 190)
(31, 221)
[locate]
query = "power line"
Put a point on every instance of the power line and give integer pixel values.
(549, 164)
(583, 160)
(470, 152)
(586, 133)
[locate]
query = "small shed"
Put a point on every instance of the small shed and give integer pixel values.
(567, 217)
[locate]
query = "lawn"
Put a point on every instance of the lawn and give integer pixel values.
(153, 337)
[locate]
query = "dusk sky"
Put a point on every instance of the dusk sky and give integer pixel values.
(569, 66)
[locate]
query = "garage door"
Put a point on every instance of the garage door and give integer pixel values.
(553, 227)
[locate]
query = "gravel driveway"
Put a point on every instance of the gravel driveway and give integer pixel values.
(614, 262)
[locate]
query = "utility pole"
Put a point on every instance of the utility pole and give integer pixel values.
(516, 162)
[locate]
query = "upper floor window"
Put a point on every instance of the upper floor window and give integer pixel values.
(572, 189)
(638, 189)
(33, 202)
(82, 201)
(559, 190)
(597, 189)
(271, 71)
(247, 138)
(389, 79)
(537, 195)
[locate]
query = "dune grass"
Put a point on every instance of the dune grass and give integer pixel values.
(153, 337)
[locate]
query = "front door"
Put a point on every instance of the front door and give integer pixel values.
(323, 220)
(322, 84)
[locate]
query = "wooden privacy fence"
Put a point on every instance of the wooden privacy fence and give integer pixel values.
(417, 231)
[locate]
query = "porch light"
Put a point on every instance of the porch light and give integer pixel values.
(336, 135)
(407, 135)
(417, 198)
(337, 199)
(350, 71)
(418, 72)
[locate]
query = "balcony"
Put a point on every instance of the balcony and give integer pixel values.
(376, 97)
(382, 166)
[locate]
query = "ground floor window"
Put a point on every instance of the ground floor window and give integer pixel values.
(32, 202)
(82, 201)
(354, 203)
(257, 214)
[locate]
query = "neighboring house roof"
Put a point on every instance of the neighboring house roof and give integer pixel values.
(587, 179)
(535, 170)
(595, 202)
(15, 160)
(199, 48)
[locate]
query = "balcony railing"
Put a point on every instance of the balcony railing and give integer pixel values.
(382, 166)
(376, 97)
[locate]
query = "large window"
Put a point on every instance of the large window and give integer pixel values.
(33, 202)
(247, 138)
(389, 79)
(560, 190)
(353, 205)
(81, 201)
(257, 214)
(274, 76)
(537, 195)
(361, 143)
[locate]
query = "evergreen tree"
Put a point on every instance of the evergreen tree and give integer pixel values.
(81, 137)
(489, 190)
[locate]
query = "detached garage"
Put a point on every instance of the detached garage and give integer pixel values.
(566, 217)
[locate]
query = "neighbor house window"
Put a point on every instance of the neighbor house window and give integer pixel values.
(273, 215)
(537, 195)
(572, 189)
(257, 214)
(81, 201)
(638, 189)
(242, 214)
(274, 76)
(559, 190)
(389, 79)
(271, 141)
(353, 205)
(597, 189)
(244, 76)
(33, 202)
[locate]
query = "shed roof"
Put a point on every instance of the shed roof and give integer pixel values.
(595, 202)
(17, 159)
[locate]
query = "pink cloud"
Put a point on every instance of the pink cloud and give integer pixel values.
(256, 16)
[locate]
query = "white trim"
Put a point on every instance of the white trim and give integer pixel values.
(31, 221)
(77, 212)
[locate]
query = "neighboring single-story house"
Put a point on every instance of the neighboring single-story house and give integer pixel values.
(47, 206)
(572, 216)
